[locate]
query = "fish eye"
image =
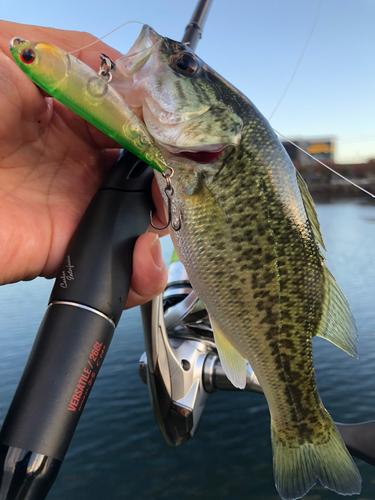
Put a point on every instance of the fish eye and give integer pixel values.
(185, 62)
(27, 56)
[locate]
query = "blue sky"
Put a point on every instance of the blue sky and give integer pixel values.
(256, 44)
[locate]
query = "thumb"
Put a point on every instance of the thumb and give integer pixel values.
(150, 275)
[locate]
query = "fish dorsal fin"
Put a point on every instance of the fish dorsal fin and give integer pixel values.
(310, 209)
(337, 324)
(234, 365)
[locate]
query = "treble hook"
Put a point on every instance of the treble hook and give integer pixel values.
(169, 192)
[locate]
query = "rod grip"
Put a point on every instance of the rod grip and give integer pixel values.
(85, 306)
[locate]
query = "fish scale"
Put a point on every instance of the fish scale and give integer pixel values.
(249, 280)
(244, 291)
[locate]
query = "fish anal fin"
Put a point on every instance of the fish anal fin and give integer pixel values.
(234, 365)
(337, 324)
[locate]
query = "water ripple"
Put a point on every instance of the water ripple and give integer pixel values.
(118, 451)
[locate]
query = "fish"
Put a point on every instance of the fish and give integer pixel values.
(88, 94)
(250, 240)
(246, 230)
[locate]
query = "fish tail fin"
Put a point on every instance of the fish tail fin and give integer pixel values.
(298, 466)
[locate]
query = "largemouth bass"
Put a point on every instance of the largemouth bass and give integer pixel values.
(250, 242)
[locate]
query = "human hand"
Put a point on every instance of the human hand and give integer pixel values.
(51, 164)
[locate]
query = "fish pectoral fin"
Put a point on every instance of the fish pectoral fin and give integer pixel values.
(337, 324)
(234, 365)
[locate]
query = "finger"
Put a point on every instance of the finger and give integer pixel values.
(149, 272)
(25, 113)
(159, 219)
(101, 139)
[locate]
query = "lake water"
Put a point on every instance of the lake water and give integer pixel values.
(118, 451)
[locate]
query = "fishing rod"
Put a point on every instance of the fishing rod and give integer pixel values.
(83, 311)
(193, 31)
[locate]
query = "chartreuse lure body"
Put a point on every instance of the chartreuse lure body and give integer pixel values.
(88, 94)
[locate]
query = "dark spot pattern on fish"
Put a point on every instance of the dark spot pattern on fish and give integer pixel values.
(200, 92)
(261, 262)
(180, 90)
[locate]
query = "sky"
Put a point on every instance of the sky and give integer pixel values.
(256, 45)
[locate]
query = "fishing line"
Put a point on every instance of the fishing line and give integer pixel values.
(282, 97)
(298, 63)
(326, 166)
(110, 33)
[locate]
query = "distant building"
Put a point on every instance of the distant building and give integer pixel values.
(322, 149)
(323, 184)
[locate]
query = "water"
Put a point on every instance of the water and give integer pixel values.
(118, 451)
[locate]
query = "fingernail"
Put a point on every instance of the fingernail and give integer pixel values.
(155, 249)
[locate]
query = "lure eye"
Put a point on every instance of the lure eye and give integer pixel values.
(27, 56)
(185, 62)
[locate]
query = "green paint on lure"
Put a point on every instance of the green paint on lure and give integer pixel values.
(82, 90)
(250, 242)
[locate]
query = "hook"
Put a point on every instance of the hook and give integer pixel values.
(169, 192)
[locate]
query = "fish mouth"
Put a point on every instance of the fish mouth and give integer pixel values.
(140, 52)
(202, 155)
(167, 130)
(180, 130)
